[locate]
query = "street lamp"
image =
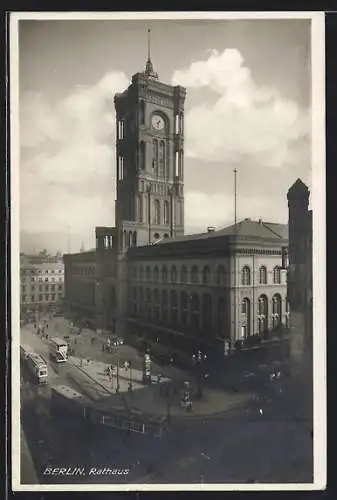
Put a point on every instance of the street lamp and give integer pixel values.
(198, 359)
(130, 373)
(117, 377)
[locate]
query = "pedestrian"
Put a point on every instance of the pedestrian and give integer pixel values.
(88, 361)
(47, 326)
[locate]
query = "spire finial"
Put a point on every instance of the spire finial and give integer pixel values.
(149, 44)
(149, 72)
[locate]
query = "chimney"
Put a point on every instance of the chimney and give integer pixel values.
(211, 229)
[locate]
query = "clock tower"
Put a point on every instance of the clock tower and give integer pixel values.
(150, 160)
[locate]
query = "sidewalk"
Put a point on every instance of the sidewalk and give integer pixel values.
(28, 471)
(148, 399)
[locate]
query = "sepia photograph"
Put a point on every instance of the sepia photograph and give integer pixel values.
(168, 251)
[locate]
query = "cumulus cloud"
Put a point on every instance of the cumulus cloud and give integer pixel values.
(67, 157)
(246, 121)
(67, 147)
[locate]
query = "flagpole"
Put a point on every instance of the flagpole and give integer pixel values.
(234, 253)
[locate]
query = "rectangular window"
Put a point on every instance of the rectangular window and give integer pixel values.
(40, 288)
(24, 298)
(40, 297)
(46, 279)
(53, 296)
(23, 289)
(32, 298)
(46, 297)
(176, 124)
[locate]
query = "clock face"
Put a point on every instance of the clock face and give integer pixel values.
(158, 122)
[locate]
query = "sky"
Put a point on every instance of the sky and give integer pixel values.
(247, 107)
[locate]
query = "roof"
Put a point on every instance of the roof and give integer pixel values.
(25, 263)
(298, 189)
(246, 227)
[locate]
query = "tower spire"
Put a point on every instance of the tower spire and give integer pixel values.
(149, 45)
(149, 72)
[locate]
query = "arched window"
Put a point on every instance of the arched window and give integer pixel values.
(130, 239)
(184, 309)
(156, 274)
(142, 155)
(206, 314)
(134, 238)
(125, 240)
(141, 273)
(263, 275)
(245, 317)
(195, 312)
(148, 303)
(222, 315)
(183, 274)
(156, 212)
(174, 308)
(194, 274)
(148, 273)
(141, 301)
(178, 213)
(221, 276)
(164, 274)
(134, 300)
(164, 306)
(245, 276)
(155, 155)
(161, 158)
(166, 213)
(173, 274)
(142, 112)
(277, 275)
(156, 302)
(113, 297)
(134, 272)
(277, 310)
(206, 275)
(262, 314)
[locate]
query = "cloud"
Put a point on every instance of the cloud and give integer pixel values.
(67, 157)
(245, 122)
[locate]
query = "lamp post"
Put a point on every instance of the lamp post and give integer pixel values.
(130, 373)
(198, 359)
(117, 377)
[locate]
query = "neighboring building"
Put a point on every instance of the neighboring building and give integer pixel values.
(41, 285)
(300, 276)
(145, 276)
(210, 286)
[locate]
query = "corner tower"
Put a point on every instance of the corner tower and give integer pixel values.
(150, 160)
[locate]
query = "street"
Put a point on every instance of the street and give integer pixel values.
(261, 442)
